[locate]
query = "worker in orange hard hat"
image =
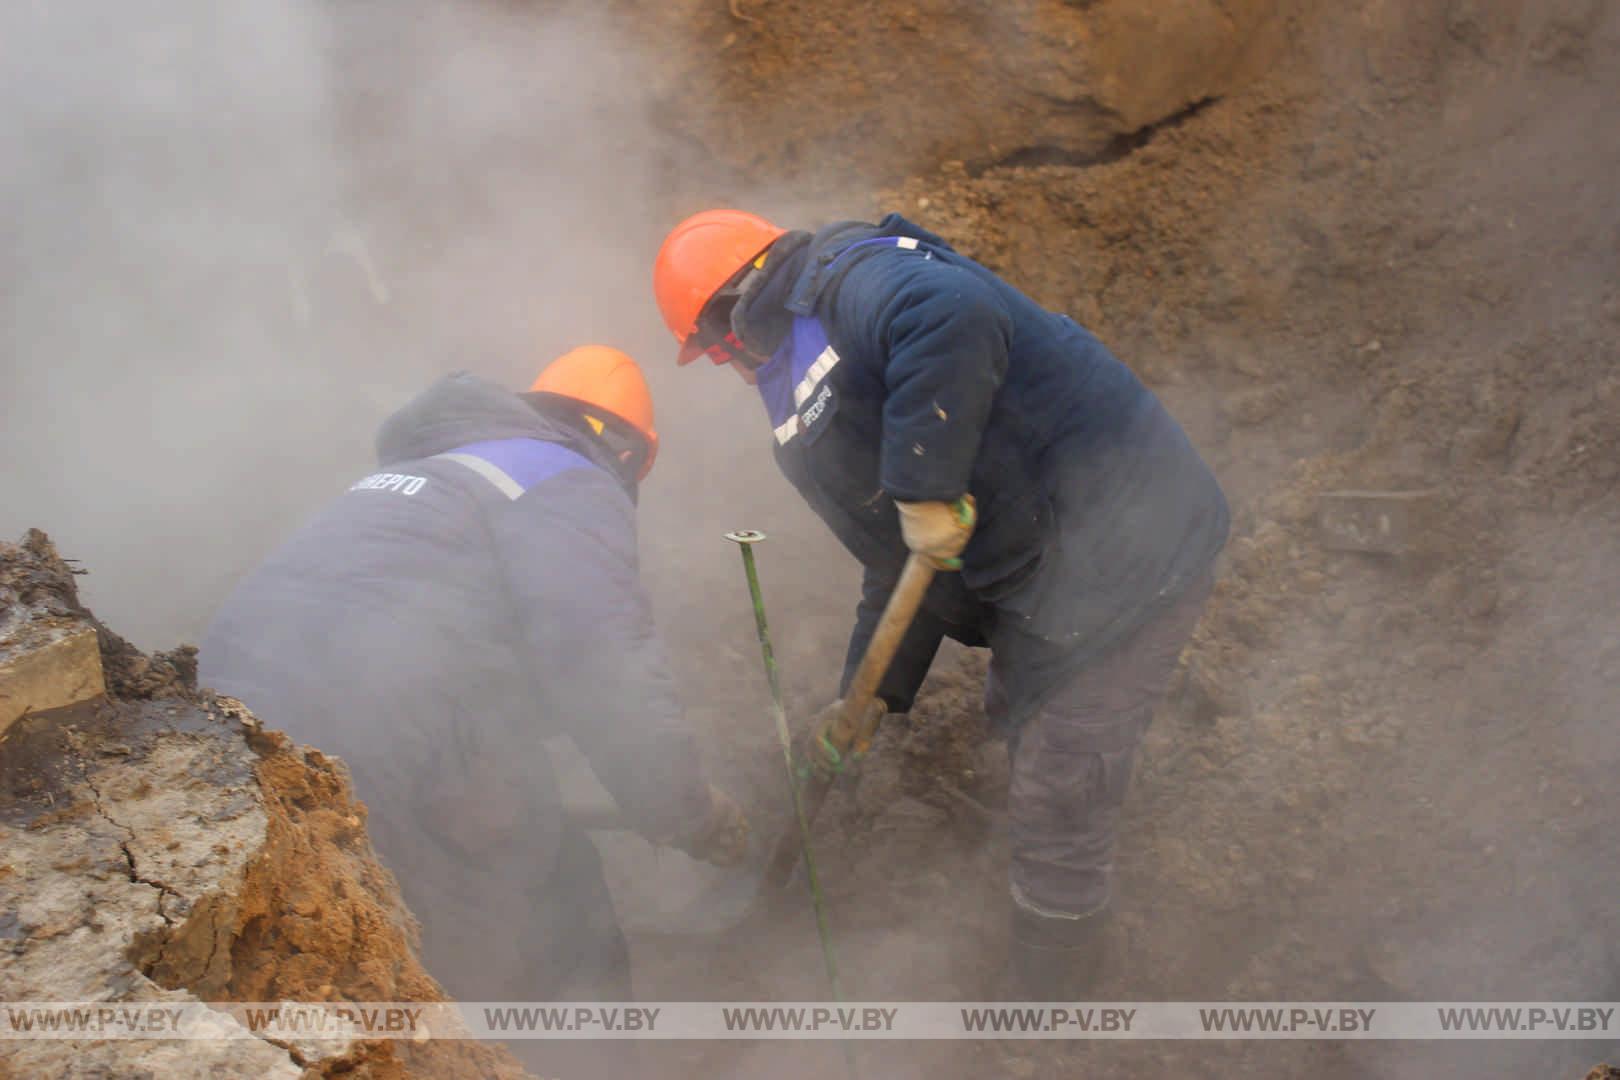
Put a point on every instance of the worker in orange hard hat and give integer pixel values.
(603, 389)
(699, 268)
(473, 595)
(925, 407)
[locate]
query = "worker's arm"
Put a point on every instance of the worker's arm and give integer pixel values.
(568, 555)
(941, 336)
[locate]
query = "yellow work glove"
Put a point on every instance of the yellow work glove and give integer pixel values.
(815, 753)
(938, 531)
(723, 840)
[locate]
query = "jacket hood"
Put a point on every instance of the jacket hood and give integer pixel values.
(823, 268)
(463, 408)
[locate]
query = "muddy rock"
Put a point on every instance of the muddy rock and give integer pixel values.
(158, 846)
(1256, 405)
(1381, 522)
(1206, 692)
(48, 658)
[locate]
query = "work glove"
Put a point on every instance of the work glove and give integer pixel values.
(723, 838)
(815, 754)
(938, 531)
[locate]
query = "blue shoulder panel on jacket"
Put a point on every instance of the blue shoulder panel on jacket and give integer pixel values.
(780, 380)
(516, 465)
(788, 381)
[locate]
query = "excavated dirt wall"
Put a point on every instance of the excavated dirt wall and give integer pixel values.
(158, 846)
(841, 94)
(1384, 270)
(1357, 247)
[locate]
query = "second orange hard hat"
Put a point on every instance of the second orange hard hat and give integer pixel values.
(604, 379)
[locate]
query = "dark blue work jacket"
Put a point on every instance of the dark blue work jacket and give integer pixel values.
(477, 593)
(902, 370)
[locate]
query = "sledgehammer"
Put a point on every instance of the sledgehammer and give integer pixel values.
(852, 729)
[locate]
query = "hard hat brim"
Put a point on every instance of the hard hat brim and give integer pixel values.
(690, 351)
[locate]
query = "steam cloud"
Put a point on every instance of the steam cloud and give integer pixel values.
(241, 235)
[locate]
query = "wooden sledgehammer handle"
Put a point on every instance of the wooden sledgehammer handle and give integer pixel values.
(850, 729)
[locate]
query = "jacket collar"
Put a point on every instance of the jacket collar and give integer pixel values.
(761, 319)
(462, 408)
(802, 267)
(823, 269)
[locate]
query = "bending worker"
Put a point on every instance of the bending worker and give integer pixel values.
(433, 624)
(920, 403)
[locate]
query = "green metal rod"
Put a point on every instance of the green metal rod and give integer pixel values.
(746, 541)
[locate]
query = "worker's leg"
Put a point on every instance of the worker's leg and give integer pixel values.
(510, 895)
(577, 953)
(575, 936)
(1071, 768)
(475, 840)
(500, 924)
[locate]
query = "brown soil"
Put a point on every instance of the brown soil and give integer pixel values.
(316, 917)
(1354, 245)
(320, 919)
(823, 92)
(1388, 264)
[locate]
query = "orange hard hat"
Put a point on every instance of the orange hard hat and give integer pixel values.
(602, 379)
(699, 256)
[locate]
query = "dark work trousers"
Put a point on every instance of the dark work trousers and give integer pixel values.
(512, 900)
(510, 894)
(1072, 760)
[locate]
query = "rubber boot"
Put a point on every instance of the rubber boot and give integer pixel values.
(1054, 957)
